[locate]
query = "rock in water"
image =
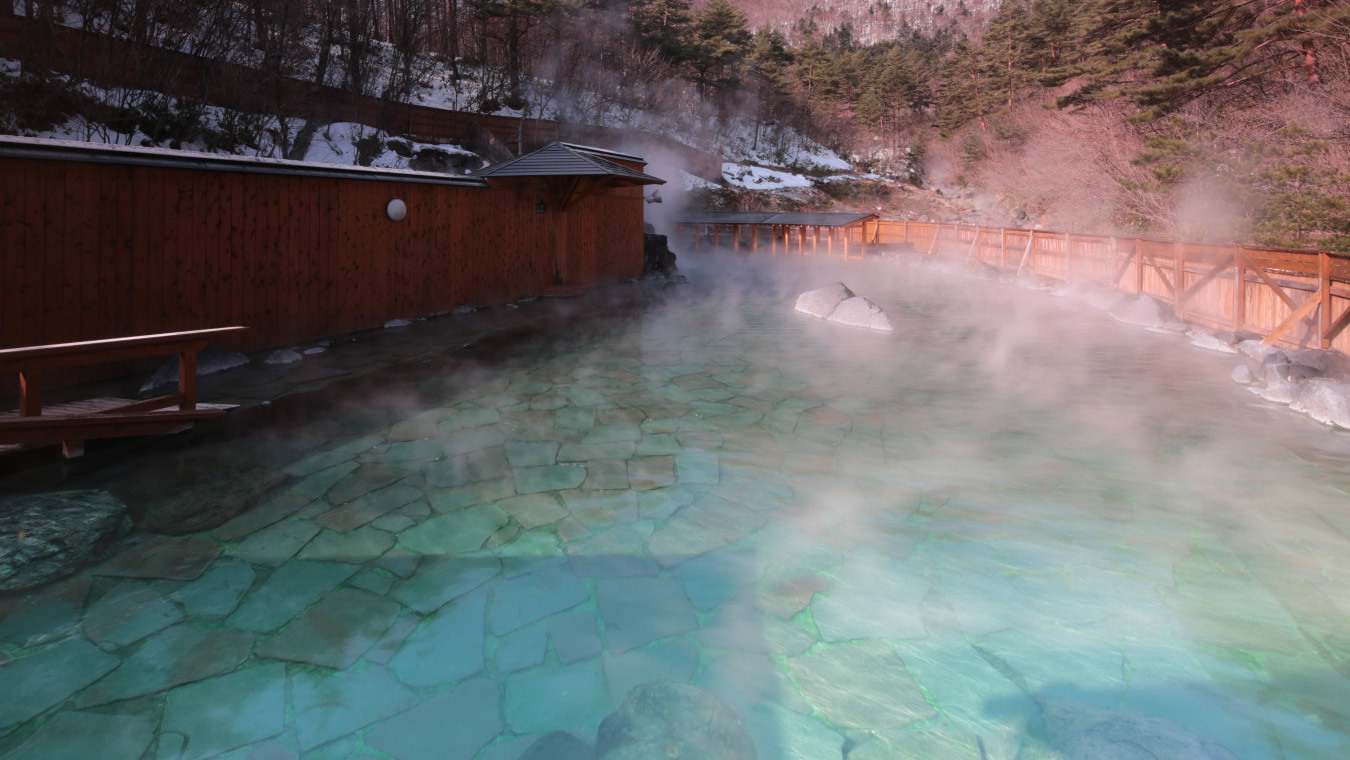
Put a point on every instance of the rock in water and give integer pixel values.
(559, 745)
(667, 720)
(283, 356)
(1256, 349)
(860, 312)
(1242, 375)
(1077, 731)
(210, 360)
(657, 258)
(394, 323)
(48, 536)
(1145, 311)
(1205, 340)
(822, 301)
(1324, 400)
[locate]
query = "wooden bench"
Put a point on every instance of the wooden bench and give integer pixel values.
(74, 423)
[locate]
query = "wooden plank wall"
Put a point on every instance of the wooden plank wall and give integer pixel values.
(1209, 275)
(97, 250)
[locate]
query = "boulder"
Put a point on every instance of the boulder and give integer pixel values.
(559, 745)
(1074, 730)
(210, 360)
(393, 323)
(1326, 401)
(283, 356)
(822, 301)
(1327, 363)
(664, 719)
(1205, 340)
(860, 312)
(48, 536)
(657, 258)
(1276, 391)
(1145, 311)
(1289, 372)
(1256, 349)
(1242, 375)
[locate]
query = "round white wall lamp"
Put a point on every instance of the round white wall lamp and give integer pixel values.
(396, 209)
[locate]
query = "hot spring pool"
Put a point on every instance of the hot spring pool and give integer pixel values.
(1012, 529)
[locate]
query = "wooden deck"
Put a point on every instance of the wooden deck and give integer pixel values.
(89, 407)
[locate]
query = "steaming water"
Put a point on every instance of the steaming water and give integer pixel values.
(1012, 529)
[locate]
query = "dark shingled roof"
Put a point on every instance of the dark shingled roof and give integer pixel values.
(565, 160)
(736, 217)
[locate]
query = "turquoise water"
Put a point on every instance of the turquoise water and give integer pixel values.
(1012, 529)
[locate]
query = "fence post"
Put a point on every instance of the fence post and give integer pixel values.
(1178, 287)
(1138, 267)
(1003, 247)
(1324, 290)
(905, 232)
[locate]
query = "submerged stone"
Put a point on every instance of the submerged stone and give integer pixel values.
(523, 649)
(216, 593)
(559, 745)
(450, 726)
(178, 655)
(638, 611)
(30, 685)
(821, 301)
(88, 735)
(860, 312)
(861, 685)
(556, 698)
(222, 713)
(335, 631)
(456, 532)
(49, 536)
(328, 706)
(673, 720)
(549, 478)
(357, 547)
(533, 510)
(447, 647)
(291, 589)
(440, 580)
(274, 545)
(674, 660)
(522, 600)
(180, 559)
(128, 613)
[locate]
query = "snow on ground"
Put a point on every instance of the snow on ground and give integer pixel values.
(694, 182)
(759, 178)
(336, 144)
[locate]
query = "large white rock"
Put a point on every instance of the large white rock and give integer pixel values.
(822, 301)
(860, 312)
(282, 356)
(1205, 340)
(1326, 401)
(1256, 349)
(1145, 311)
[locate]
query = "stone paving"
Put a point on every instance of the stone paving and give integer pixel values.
(860, 557)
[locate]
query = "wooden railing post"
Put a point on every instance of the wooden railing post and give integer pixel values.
(1324, 291)
(30, 392)
(1026, 254)
(1138, 267)
(905, 232)
(1068, 259)
(932, 245)
(1003, 247)
(1178, 253)
(1239, 289)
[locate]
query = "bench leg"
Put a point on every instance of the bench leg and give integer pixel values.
(187, 380)
(30, 392)
(71, 449)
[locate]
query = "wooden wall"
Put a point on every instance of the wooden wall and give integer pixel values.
(1222, 286)
(98, 250)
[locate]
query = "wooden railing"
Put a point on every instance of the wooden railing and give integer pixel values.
(1269, 291)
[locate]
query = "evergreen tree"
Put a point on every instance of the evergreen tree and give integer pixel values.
(720, 38)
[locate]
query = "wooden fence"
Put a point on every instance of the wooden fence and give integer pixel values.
(1291, 297)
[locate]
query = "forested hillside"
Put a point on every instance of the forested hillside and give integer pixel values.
(1222, 119)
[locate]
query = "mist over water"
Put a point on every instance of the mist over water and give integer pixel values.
(1012, 528)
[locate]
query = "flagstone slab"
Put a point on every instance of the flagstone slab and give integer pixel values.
(559, 698)
(274, 545)
(742, 628)
(638, 611)
(357, 547)
(612, 434)
(697, 468)
(788, 735)
(674, 660)
(473, 467)
(222, 713)
(128, 613)
(322, 460)
(399, 562)
(871, 597)
(585, 452)
(447, 647)
(393, 523)
(456, 442)
(606, 475)
(399, 452)
(861, 685)
(532, 454)
(576, 418)
(450, 726)
(292, 588)
(574, 636)
(88, 735)
(487, 492)
(178, 655)
(600, 509)
(578, 396)
(615, 553)
(368, 506)
(730, 521)
(374, 581)
(681, 539)
(30, 685)
(549, 478)
(646, 473)
(174, 558)
(366, 478)
(335, 632)
(328, 706)
(659, 504)
(658, 444)
(519, 601)
(522, 649)
(533, 510)
(384, 650)
(531, 551)
(746, 679)
(218, 591)
(456, 532)
(789, 595)
(51, 615)
(438, 581)
(471, 417)
(317, 484)
(547, 402)
(718, 576)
